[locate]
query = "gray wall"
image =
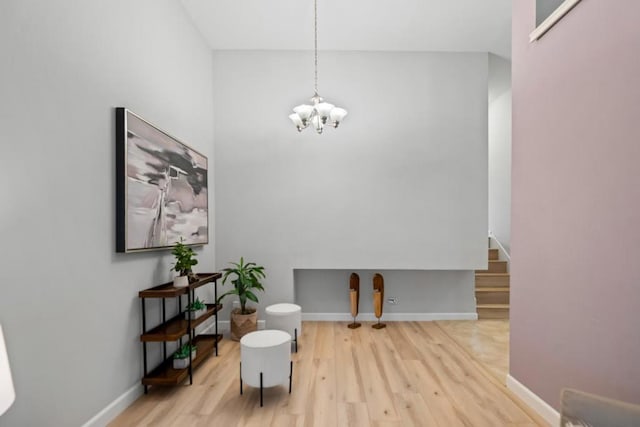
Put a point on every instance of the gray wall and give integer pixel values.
(500, 149)
(69, 305)
(436, 292)
(400, 185)
(544, 8)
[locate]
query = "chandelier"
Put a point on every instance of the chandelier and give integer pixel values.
(320, 112)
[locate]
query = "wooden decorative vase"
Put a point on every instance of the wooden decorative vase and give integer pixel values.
(354, 298)
(378, 299)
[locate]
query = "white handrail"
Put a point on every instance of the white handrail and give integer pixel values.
(504, 251)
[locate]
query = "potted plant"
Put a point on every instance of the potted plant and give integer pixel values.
(181, 357)
(195, 309)
(185, 259)
(246, 281)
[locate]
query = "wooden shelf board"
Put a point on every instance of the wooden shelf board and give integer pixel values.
(166, 375)
(177, 326)
(167, 290)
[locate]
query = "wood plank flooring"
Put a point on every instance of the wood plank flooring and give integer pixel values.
(408, 374)
(486, 341)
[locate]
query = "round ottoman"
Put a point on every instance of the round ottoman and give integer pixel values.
(285, 317)
(265, 359)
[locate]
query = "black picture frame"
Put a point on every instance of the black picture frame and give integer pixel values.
(161, 188)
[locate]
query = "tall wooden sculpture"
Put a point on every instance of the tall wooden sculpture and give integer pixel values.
(354, 295)
(378, 299)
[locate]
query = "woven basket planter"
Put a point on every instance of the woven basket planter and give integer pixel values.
(242, 324)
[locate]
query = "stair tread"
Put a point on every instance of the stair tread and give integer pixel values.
(505, 306)
(494, 289)
(497, 260)
(493, 274)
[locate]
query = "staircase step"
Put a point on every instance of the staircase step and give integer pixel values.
(495, 295)
(493, 311)
(495, 266)
(494, 254)
(492, 280)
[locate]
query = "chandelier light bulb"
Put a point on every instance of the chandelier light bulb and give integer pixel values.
(324, 109)
(295, 118)
(336, 116)
(304, 111)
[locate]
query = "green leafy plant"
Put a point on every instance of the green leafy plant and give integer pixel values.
(196, 305)
(184, 351)
(185, 258)
(247, 279)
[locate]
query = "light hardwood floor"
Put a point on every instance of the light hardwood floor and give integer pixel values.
(486, 341)
(408, 374)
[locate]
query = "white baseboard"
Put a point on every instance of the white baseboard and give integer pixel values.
(542, 408)
(388, 317)
(114, 409)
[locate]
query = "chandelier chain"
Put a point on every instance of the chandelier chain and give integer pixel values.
(315, 26)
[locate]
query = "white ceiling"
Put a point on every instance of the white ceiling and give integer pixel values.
(388, 25)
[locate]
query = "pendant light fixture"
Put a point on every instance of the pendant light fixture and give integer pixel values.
(320, 112)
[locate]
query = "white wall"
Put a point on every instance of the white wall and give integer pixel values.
(402, 184)
(500, 149)
(69, 305)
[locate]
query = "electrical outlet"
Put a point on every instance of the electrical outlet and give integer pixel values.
(392, 301)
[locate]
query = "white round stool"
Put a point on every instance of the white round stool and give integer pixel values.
(285, 317)
(265, 359)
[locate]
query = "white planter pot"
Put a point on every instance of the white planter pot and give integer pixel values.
(183, 363)
(194, 314)
(181, 281)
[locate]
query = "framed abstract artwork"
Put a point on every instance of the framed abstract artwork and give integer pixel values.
(161, 188)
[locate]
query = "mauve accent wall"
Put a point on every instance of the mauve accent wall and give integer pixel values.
(576, 202)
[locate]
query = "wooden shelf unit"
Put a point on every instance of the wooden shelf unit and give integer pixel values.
(164, 374)
(167, 290)
(176, 328)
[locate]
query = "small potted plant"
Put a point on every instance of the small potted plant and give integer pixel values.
(246, 281)
(195, 309)
(181, 357)
(185, 259)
